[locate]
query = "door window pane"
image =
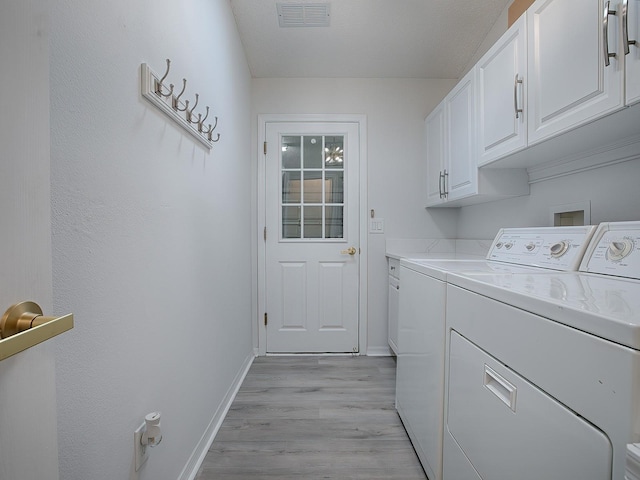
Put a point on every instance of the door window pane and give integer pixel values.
(312, 222)
(291, 187)
(313, 151)
(291, 222)
(334, 222)
(334, 187)
(291, 151)
(334, 152)
(312, 187)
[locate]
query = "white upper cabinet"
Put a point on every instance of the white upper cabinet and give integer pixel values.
(451, 161)
(631, 48)
(501, 92)
(434, 134)
(570, 43)
(453, 178)
(461, 171)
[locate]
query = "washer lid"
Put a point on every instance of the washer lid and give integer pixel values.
(440, 268)
(605, 306)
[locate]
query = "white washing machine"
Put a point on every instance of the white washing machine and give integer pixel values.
(543, 371)
(421, 325)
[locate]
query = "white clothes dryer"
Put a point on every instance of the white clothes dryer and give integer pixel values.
(543, 371)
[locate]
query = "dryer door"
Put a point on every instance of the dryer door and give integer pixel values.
(508, 428)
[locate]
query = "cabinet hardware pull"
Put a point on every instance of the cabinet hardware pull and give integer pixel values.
(515, 95)
(446, 183)
(440, 183)
(605, 33)
(625, 27)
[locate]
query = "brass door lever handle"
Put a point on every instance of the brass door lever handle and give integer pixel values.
(24, 317)
(350, 251)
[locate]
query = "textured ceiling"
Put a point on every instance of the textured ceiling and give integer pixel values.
(367, 38)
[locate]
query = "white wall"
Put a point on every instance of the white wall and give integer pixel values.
(612, 191)
(395, 110)
(150, 231)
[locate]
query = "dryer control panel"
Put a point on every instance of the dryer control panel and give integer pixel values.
(614, 250)
(557, 248)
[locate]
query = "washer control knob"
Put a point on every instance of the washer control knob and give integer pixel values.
(530, 246)
(618, 249)
(558, 249)
(499, 245)
(508, 245)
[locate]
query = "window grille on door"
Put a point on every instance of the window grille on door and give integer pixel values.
(312, 168)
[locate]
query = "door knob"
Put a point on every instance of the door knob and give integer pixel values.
(23, 318)
(20, 317)
(350, 251)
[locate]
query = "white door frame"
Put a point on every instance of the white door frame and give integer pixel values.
(361, 120)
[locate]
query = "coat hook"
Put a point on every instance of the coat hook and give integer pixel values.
(175, 101)
(190, 112)
(159, 85)
(211, 128)
(201, 120)
(209, 132)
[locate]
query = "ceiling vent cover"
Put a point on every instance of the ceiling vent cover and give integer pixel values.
(303, 14)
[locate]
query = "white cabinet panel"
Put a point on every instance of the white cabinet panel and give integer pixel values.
(501, 93)
(434, 133)
(394, 298)
(461, 174)
(569, 83)
(632, 59)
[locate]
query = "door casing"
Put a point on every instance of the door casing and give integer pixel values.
(263, 119)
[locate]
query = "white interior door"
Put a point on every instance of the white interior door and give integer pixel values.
(312, 237)
(28, 434)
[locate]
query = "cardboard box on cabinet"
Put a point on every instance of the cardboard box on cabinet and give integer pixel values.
(517, 8)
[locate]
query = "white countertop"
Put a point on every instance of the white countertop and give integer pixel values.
(430, 248)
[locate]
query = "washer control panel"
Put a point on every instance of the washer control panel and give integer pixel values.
(557, 248)
(614, 250)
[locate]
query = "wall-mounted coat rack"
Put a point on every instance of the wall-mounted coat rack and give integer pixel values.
(162, 96)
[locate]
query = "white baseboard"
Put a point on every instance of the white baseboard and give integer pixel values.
(384, 351)
(190, 470)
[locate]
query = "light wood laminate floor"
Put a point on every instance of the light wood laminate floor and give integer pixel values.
(320, 417)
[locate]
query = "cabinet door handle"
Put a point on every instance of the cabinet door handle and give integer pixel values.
(515, 95)
(625, 27)
(445, 182)
(605, 33)
(440, 183)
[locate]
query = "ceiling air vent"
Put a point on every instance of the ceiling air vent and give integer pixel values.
(303, 14)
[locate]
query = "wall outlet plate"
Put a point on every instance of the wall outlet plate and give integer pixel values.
(141, 452)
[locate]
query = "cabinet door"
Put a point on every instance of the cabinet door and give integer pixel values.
(434, 133)
(569, 83)
(501, 90)
(394, 298)
(461, 170)
(632, 58)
